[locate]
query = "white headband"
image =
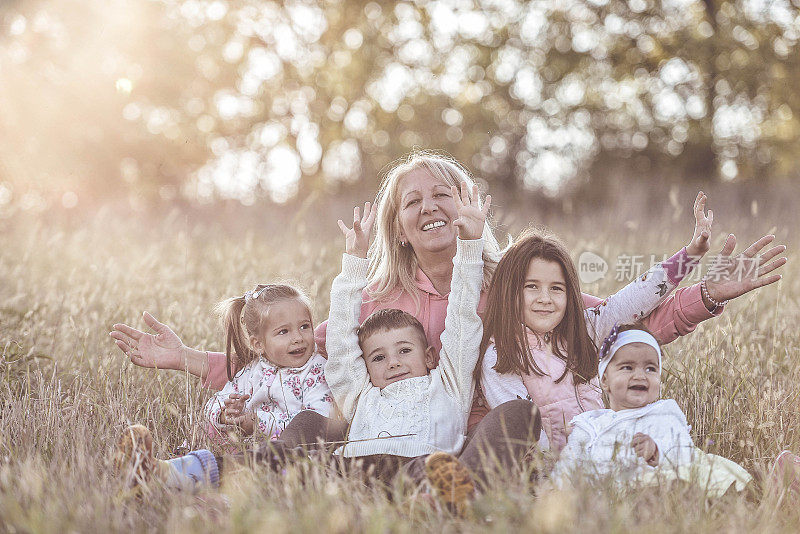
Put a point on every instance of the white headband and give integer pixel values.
(626, 338)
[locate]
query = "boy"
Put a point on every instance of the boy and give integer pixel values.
(404, 411)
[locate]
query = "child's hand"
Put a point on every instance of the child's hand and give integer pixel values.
(356, 239)
(471, 216)
(698, 246)
(234, 407)
(645, 448)
(246, 422)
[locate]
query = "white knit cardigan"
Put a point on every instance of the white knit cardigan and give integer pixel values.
(418, 415)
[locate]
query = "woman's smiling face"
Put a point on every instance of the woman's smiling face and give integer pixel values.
(426, 212)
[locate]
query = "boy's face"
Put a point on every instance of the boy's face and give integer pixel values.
(397, 354)
(632, 378)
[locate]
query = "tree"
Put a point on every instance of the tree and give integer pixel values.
(251, 98)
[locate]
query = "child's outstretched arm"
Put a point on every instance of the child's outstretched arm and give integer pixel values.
(463, 328)
(727, 278)
(733, 276)
(649, 292)
(345, 370)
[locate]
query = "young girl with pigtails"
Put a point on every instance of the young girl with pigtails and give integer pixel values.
(270, 337)
(277, 373)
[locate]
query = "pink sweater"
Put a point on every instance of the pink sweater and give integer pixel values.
(677, 316)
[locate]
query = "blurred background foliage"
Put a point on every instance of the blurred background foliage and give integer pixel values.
(200, 100)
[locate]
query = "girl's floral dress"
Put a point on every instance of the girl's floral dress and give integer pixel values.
(277, 394)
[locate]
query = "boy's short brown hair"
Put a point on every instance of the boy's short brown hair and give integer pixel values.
(389, 319)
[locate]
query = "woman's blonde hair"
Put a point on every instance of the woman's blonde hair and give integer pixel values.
(392, 265)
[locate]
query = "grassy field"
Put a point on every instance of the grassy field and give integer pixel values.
(66, 391)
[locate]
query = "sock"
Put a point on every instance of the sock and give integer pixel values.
(195, 469)
(219, 465)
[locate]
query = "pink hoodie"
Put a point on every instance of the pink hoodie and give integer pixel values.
(558, 402)
(677, 316)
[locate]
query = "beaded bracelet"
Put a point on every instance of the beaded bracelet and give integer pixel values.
(704, 290)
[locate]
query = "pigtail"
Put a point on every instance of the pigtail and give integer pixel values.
(235, 336)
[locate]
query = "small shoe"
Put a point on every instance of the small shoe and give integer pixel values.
(450, 479)
(134, 460)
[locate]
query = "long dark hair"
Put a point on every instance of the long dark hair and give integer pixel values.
(503, 320)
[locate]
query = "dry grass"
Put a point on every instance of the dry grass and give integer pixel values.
(66, 391)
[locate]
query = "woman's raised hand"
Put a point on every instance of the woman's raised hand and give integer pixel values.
(699, 245)
(356, 239)
(733, 276)
(471, 215)
(164, 350)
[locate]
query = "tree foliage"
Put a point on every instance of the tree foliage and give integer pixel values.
(249, 98)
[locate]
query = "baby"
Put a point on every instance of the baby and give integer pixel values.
(639, 438)
(638, 432)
